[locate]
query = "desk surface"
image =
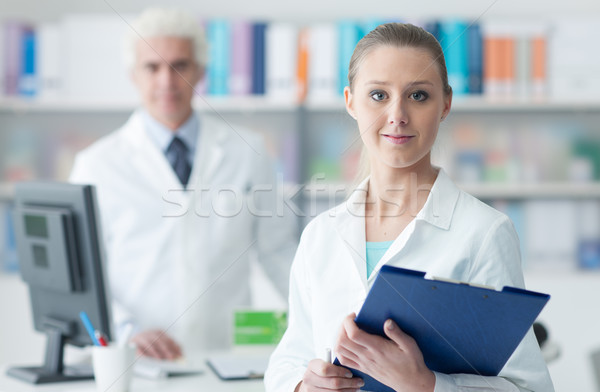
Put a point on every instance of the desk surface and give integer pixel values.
(207, 381)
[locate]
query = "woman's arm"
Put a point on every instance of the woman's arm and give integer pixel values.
(293, 365)
(289, 360)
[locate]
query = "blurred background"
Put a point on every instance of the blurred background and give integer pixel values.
(523, 134)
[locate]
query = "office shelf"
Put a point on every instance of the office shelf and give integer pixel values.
(470, 104)
(555, 190)
(338, 191)
(262, 104)
(486, 191)
(63, 105)
(203, 104)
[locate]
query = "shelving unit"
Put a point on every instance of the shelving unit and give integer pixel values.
(534, 191)
(301, 118)
(202, 103)
(504, 191)
(460, 105)
(482, 104)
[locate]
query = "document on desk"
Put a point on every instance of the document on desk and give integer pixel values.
(156, 368)
(238, 368)
(460, 328)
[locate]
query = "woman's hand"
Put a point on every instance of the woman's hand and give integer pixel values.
(321, 375)
(398, 362)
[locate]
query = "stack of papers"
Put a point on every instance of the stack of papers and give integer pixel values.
(155, 368)
(239, 368)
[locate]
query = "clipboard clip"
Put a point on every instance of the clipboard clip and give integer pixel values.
(449, 280)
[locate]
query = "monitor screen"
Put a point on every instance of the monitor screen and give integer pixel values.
(61, 259)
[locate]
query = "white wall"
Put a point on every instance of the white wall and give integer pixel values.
(313, 10)
(572, 317)
(19, 343)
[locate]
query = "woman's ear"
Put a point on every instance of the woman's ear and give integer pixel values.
(349, 103)
(447, 106)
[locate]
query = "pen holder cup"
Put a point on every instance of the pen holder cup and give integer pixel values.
(113, 367)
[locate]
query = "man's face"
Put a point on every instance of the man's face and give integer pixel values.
(165, 74)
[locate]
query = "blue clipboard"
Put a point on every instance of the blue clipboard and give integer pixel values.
(460, 328)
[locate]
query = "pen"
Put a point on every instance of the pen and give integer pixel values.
(101, 338)
(89, 327)
(327, 355)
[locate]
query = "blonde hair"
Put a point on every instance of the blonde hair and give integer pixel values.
(163, 22)
(396, 35)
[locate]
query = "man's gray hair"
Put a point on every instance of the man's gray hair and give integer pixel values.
(164, 22)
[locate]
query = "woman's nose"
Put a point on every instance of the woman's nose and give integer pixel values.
(397, 113)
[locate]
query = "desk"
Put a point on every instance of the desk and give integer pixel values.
(207, 381)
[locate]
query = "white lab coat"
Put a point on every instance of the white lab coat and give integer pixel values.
(179, 260)
(454, 236)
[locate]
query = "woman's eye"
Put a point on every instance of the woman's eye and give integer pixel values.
(378, 95)
(419, 96)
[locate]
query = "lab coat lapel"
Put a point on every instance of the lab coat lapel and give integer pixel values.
(438, 211)
(351, 228)
(151, 163)
(211, 151)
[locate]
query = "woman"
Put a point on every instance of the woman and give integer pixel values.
(406, 213)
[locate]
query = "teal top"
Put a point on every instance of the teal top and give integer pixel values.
(375, 251)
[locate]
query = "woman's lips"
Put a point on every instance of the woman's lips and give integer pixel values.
(397, 139)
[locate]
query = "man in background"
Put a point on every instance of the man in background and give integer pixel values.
(186, 200)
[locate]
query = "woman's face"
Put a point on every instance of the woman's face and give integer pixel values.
(398, 102)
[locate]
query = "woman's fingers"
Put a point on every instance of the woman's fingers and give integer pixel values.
(405, 342)
(322, 375)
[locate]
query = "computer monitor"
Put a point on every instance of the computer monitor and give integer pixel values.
(60, 252)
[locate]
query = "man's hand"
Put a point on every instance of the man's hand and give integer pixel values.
(156, 344)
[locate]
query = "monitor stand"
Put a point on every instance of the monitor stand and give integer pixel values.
(53, 369)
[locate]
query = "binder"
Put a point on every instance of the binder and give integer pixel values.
(454, 42)
(219, 36)
(460, 328)
(258, 58)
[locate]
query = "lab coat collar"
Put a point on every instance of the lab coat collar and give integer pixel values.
(147, 156)
(207, 159)
(350, 224)
(162, 136)
(439, 207)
